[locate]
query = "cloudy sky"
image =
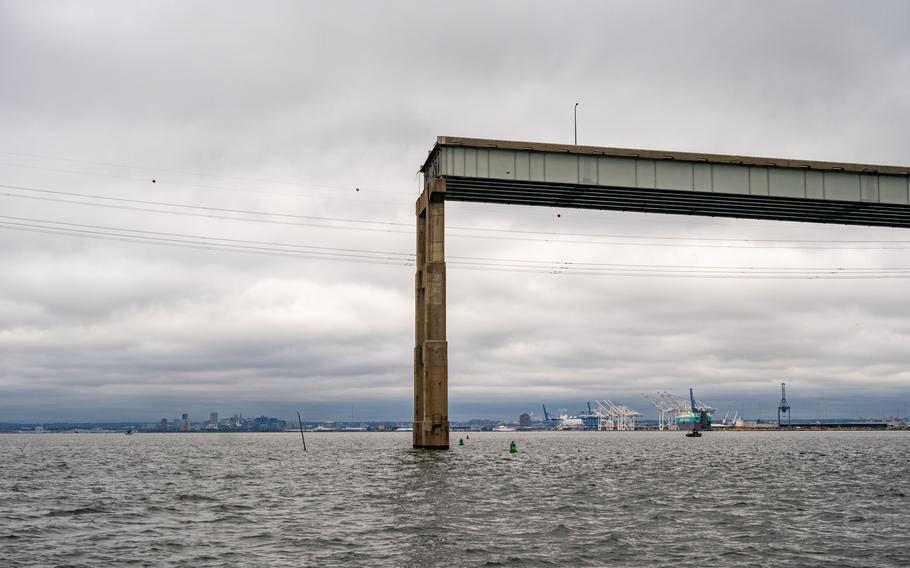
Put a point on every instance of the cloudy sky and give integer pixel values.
(208, 206)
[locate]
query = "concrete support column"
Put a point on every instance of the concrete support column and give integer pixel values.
(431, 358)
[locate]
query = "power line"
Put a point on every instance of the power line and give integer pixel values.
(686, 275)
(663, 241)
(583, 265)
(408, 256)
(204, 215)
(467, 263)
(202, 245)
(201, 207)
(163, 182)
(563, 264)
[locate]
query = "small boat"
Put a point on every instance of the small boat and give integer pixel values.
(129, 432)
(693, 434)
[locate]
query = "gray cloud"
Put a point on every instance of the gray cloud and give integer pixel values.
(287, 107)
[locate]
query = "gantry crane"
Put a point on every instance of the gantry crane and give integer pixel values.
(783, 407)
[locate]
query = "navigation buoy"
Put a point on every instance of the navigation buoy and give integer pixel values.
(460, 441)
(153, 181)
(513, 449)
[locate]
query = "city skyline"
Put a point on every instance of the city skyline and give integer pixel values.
(763, 408)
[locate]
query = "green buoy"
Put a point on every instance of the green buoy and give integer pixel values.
(513, 449)
(460, 441)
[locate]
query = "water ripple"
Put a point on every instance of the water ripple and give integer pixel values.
(578, 499)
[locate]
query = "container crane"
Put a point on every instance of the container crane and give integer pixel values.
(783, 407)
(548, 422)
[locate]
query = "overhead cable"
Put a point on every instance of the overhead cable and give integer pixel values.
(459, 231)
(159, 182)
(468, 263)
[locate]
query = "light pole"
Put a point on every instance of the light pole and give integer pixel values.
(576, 124)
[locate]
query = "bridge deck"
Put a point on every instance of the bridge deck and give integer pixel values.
(496, 171)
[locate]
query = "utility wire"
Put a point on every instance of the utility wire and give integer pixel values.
(167, 182)
(683, 271)
(205, 215)
(201, 207)
(406, 259)
(584, 265)
(695, 276)
(663, 241)
(10, 218)
(480, 261)
(202, 245)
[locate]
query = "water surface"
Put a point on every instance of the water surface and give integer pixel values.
(367, 499)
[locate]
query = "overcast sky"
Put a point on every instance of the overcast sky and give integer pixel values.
(323, 112)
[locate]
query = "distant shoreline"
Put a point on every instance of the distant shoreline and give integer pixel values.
(456, 433)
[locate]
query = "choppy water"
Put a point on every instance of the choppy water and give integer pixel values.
(565, 499)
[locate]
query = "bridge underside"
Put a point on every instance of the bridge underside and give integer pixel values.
(637, 199)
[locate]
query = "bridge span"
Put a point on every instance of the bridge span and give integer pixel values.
(623, 179)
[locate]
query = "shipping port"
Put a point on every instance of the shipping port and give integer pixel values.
(680, 413)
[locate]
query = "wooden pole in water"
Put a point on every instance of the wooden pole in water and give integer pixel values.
(300, 423)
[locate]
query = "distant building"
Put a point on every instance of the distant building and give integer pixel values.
(213, 419)
(185, 422)
(268, 424)
(524, 420)
(163, 425)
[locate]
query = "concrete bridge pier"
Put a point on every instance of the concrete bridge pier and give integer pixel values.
(431, 357)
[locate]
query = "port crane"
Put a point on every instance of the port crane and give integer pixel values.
(547, 421)
(669, 407)
(700, 418)
(735, 422)
(783, 407)
(613, 416)
(665, 414)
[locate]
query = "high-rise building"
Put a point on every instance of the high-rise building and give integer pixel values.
(524, 420)
(163, 425)
(185, 422)
(213, 419)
